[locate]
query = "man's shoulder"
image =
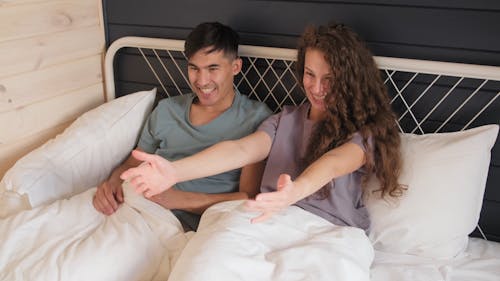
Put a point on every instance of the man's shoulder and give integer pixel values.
(253, 106)
(170, 106)
(175, 101)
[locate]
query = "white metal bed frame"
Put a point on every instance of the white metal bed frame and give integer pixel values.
(269, 56)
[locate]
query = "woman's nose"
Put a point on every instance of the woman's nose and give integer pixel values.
(317, 86)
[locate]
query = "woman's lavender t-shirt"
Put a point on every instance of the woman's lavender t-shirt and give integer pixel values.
(290, 131)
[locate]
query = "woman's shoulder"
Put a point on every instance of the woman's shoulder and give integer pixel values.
(366, 143)
(294, 109)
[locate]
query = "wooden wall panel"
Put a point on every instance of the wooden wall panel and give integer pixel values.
(38, 52)
(50, 112)
(24, 21)
(10, 152)
(27, 88)
(10, 3)
(50, 70)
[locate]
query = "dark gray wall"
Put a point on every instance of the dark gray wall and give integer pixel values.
(462, 31)
(448, 30)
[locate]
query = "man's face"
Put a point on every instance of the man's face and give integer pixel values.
(211, 76)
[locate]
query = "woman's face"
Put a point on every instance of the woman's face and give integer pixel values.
(317, 80)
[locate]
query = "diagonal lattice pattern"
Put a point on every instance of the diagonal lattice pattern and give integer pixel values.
(456, 103)
(427, 103)
(431, 97)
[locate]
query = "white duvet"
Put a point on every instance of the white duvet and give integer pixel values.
(70, 240)
(293, 245)
(297, 245)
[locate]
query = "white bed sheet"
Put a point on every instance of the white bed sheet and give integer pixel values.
(69, 240)
(480, 262)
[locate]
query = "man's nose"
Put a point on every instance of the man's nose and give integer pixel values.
(203, 77)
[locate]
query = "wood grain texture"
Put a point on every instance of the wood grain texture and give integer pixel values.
(22, 90)
(52, 112)
(9, 153)
(42, 51)
(50, 58)
(24, 21)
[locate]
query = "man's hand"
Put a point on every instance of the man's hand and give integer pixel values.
(108, 197)
(153, 176)
(270, 203)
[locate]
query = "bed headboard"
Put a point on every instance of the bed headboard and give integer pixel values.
(428, 96)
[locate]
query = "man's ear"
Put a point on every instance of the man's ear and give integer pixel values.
(237, 64)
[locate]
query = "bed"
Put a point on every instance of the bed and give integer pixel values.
(444, 228)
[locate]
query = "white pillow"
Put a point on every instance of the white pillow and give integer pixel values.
(82, 156)
(446, 177)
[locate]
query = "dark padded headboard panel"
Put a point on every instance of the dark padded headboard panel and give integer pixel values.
(428, 96)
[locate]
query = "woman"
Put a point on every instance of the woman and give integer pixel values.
(319, 157)
(329, 146)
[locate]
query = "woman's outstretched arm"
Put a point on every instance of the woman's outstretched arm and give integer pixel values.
(157, 174)
(337, 162)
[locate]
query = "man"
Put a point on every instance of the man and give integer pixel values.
(184, 125)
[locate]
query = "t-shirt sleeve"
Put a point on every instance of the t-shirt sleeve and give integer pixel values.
(147, 141)
(270, 125)
(262, 114)
(358, 139)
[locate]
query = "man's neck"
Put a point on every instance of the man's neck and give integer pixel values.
(204, 114)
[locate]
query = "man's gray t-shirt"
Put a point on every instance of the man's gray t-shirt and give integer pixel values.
(290, 131)
(169, 133)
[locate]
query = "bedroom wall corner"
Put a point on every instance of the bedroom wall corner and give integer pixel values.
(50, 70)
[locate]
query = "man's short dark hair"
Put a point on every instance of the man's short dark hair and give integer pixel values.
(215, 35)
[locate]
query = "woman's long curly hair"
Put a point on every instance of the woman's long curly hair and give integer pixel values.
(357, 102)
